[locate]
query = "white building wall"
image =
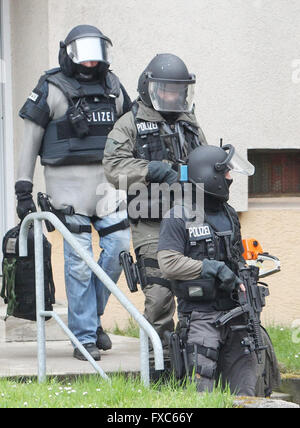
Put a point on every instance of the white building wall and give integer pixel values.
(242, 53)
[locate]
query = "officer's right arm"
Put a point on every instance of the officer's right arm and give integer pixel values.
(36, 115)
(119, 163)
(171, 248)
(174, 265)
(44, 102)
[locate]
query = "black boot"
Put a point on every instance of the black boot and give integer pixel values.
(103, 341)
(92, 350)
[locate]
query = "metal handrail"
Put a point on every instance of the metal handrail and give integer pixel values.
(146, 330)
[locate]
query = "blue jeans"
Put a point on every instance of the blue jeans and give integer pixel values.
(87, 295)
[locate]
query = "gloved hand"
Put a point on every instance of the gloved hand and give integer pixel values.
(24, 196)
(161, 172)
(216, 269)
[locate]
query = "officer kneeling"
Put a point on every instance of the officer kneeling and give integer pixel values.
(201, 259)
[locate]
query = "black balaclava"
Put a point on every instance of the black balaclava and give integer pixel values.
(87, 74)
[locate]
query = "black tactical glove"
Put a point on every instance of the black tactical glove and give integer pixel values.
(24, 196)
(216, 269)
(161, 172)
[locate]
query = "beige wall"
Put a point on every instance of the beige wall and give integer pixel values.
(277, 230)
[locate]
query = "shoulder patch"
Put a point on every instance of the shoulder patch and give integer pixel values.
(35, 96)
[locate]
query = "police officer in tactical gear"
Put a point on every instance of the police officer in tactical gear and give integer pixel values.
(146, 146)
(67, 119)
(201, 260)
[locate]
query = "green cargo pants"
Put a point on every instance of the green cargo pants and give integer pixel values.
(159, 300)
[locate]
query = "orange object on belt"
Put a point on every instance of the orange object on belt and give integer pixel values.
(251, 249)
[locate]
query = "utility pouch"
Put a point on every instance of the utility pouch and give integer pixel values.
(196, 290)
(78, 121)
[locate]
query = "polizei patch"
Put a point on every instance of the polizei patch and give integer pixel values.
(147, 127)
(199, 232)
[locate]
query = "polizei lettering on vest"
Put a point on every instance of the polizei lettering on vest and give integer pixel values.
(199, 231)
(101, 116)
(147, 126)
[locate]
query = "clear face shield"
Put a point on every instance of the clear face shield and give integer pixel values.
(235, 163)
(90, 49)
(172, 95)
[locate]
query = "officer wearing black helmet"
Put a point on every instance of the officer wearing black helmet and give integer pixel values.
(200, 257)
(67, 118)
(145, 147)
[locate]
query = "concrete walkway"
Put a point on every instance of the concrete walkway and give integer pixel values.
(18, 349)
(20, 358)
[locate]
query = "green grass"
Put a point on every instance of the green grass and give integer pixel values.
(287, 348)
(94, 392)
(132, 329)
(128, 392)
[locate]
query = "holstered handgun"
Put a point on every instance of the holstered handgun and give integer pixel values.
(45, 205)
(177, 353)
(131, 271)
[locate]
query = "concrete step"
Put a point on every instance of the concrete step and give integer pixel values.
(19, 330)
(20, 359)
(281, 396)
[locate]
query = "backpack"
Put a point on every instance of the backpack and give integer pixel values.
(18, 282)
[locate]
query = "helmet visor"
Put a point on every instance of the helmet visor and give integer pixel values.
(172, 96)
(241, 165)
(89, 49)
(234, 162)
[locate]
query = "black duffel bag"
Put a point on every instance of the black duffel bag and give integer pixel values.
(18, 282)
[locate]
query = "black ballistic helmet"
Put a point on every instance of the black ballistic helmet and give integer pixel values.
(170, 72)
(87, 41)
(207, 165)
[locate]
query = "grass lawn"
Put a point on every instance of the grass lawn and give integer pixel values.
(128, 392)
(93, 392)
(287, 348)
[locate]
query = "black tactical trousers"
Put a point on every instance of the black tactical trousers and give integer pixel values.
(216, 353)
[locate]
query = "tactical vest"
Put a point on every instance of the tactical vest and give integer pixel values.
(204, 242)
(157, 141)
(61, 144)
(18, 282)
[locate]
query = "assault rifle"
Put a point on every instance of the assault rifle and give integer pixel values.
(251, 304)
(252, 301)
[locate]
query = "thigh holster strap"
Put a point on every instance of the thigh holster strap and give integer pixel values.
(124, 224)
(210, 353)
(78, 228)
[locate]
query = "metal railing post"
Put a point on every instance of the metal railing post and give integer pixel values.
(144, 352)
(147, 331)
(40, 299)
